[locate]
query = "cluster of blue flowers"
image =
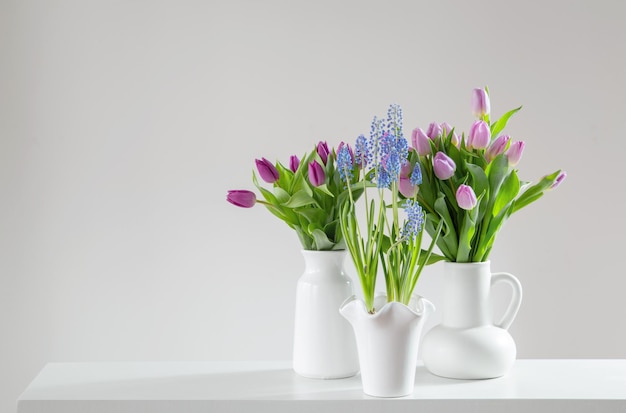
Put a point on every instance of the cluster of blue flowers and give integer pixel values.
(415, 220)
(387, 148)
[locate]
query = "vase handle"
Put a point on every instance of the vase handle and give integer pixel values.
(516, 299)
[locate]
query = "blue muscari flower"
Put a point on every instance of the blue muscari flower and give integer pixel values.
(344, 163)
(394, 120)
(388, 148)
(416, 175)
(362, 154)
(415, 220)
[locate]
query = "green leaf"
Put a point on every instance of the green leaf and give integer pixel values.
(480, 184)
(299, 199)
(449, 235)
(281, 195)
(322, 243)
(431, 260)
(500, 124)
(508, 191)
(324, 189)
(313, 215)
(534, 192)
(468, 229)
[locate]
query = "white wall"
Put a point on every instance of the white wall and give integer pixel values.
(123, 124)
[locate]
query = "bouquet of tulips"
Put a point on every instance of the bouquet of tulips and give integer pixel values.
(308, 196)
(470, 182)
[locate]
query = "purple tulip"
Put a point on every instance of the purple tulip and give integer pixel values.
(444, 166)
(479, 135)
(514, 154)
(407, 189)
(323, 151)
(241, 198)
(294, 162)
(316, 174)
(465, 197)
(267, 170)
(560, 178)
(434, 130)
(420, 141)
(497, 147)
(480, 103)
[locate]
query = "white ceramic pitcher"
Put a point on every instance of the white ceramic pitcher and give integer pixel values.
(468, 344)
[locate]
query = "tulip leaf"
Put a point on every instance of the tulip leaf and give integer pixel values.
(321, 240)
(534, 192)
(324, 189)
(281, 195)
(313, 214)
(299, 199)
(433, 258)
(500, 124)
(507, 193)
(449, 236)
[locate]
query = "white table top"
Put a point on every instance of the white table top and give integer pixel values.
(537, 385)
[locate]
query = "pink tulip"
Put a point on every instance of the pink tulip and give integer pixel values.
(444, 166)
(406, 188)
(497, 147)
(421, 142)
(267, 170)
(514, 154)
(446, 128)
(465, 197)
(479, 135)
(560, 178)
(434, 130)
(480, 103)
(241, 198)
(317, 176)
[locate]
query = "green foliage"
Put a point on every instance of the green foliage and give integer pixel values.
(313, 212)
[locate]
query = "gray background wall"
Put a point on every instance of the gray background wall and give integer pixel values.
(123, 124)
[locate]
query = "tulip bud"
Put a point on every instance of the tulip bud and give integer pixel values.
(322, 151)
(267, 170)
(407, 189)
(497, 147)
(241, 198)
(514, 154)
(434, 130)
(294, 162)
(316, 174)
(560, 178)
(479, 135)
(446, 128)
(420, 141)
(444, 166)
(465, 197)
(480, 103)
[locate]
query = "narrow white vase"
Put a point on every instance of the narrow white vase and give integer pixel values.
(468, 344)
(324, 346)
(388, 342)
